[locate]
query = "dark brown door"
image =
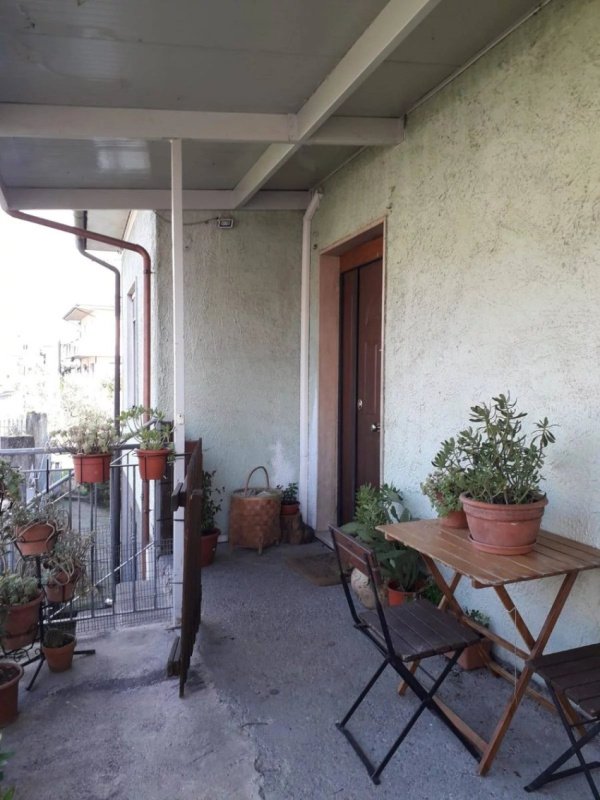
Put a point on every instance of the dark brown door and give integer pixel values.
(360, 382)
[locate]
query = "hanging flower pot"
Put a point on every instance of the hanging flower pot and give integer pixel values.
(91, 467)
(61, 587)
(10, 675)
(208, 546)
(20, 625)
(58, 649)
(35, 539)
(152, 463)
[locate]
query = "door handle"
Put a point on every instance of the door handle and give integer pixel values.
(375, 427)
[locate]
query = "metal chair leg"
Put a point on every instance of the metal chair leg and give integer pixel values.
(363, 694)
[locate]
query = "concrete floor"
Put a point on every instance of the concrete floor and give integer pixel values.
(277, 663)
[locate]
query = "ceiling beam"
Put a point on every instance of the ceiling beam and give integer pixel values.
(20, 120)
(392, 25)
(139, 199)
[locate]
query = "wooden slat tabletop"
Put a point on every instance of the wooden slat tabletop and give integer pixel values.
(552, 554)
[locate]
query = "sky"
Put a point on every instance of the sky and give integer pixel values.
(42, 276)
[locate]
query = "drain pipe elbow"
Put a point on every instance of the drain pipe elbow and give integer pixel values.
(303, 478)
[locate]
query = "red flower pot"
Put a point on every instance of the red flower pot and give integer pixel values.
(454, 519)
(60, 587)
(91, 468)
(21, 624)
(35, 539)
(472, 657)
(208, 546)
(289, 509)
(397, 597)
(152, 463)
(10, 675)
(503, 529)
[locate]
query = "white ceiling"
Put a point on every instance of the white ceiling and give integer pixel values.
(259, 56)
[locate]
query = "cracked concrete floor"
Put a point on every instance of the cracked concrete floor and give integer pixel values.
(276, 664)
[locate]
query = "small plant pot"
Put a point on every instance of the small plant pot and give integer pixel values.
(397, 597)
(152, 463)
(472, 657)
(60, 659)
(289, 509)
(10, 675)
(21, 625)
(36, 539)
(91, 468)
(503, 529)
(60, 587)
(208, 546)
(454, 519)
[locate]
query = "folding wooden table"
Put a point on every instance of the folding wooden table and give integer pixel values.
(552, 555)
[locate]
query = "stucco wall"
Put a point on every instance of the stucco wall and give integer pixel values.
(242, 341)
(493, 242)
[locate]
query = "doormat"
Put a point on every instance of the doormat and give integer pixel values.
(321, 569)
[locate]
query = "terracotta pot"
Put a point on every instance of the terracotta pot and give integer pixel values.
(60, 659)
(454, 519)
(35, 539)
(503, 529)
(396, 597)
(21, 625)
(208, 546)
(289, 509)
(91, 468)
(472, 657)
(152, 463)
(60, 587)
(10, 675)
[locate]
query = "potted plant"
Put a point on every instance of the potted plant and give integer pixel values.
(66, 567)
(20, 599)
(91, 441)
(212, 502)
(10, 488)
(58, 648)
(399, 565)
(289, 499)
(10, 675)
(475, 656)
(36, 525)
(502, 498)
(154, 440)
(445, 485)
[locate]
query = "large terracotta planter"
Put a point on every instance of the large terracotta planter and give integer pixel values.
(503, 529)
(10, 675)
(152, 463)
(35, 539)
(60, 659)
(21, 625)
(91, 468)
(208, 546)
(454, 519)
(60, 587)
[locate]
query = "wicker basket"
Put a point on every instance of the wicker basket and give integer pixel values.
(254, 515)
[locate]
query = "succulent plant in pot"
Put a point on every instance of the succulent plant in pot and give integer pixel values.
(503, 500)
(91, 441)
(58, 648)
(212, 502)
(66, 568)
(445, 485)
(20, 599)
(148, 426)
(36, 525)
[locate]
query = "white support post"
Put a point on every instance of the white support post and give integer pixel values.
(178, 366)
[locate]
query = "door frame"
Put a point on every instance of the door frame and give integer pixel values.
(328, 375)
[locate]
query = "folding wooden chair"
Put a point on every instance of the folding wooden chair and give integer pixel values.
(406, 633)
(572, 674)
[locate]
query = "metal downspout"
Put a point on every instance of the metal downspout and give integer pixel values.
(115, 485)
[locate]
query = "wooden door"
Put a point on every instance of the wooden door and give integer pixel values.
(361, 291)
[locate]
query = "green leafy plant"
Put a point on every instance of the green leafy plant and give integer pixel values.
(377, 505)
(10, 487)
(92, 434)
(433, 593)
(445, 484)
(40, 510)
(501, 463)
(212, 500)
(289, 494)
(68, 561)
(5, 794)
(148, 426)
(478, 616)
(17, 590)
